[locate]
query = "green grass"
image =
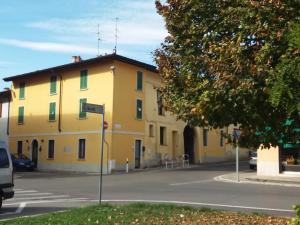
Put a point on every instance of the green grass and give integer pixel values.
(144, 214)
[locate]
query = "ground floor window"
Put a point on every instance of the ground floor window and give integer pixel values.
(20, 147)
(163, 135)
(81, 149)
(50, 149)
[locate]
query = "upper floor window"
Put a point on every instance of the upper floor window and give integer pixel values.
(160, 106)
(139, 81)
(53, 80)
(139, 109)
(21, 115)
(22, 90)
(83, 79)
(52, 109)
(82, 114)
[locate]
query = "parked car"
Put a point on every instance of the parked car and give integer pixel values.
(6, 174)
(22, 162)
(252, 160)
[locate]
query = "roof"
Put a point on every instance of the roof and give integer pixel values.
(98, 59)
(6, 94)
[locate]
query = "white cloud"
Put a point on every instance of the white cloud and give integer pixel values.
(50, 46)
(139, 24)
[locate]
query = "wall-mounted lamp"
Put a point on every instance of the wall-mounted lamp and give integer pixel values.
(26, 141)
(42, 140)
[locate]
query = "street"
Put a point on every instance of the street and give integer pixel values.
(41, 192)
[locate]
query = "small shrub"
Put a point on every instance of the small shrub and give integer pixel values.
(296, 219)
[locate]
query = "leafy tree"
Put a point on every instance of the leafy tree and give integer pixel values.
(233, 62)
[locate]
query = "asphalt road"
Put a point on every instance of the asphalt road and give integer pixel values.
(41, 192)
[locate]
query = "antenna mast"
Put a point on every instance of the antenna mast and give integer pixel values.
(98, 35)
(116, 36)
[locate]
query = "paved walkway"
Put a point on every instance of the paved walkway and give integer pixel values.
(292, 180)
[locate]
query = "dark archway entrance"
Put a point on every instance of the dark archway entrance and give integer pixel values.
(34, 152)
(188, 135)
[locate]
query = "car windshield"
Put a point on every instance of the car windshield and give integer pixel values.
(253, 154)
(20, 156)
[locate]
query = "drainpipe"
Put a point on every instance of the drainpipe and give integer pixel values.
(8, 116)
(60, 103)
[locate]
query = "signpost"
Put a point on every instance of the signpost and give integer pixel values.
(99, 109)
(236, 135)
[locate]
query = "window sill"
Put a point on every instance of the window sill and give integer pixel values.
(20, 123)
(84, 89)
(82, 118)
(50, 159)
(165, 145)
(21, 98)
(139, 119)
(52, 94)
(51, 121)
(81, 159)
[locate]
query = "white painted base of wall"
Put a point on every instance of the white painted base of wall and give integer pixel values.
(71, 167)
(267, 168)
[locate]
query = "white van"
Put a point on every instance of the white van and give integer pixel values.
(6, 174)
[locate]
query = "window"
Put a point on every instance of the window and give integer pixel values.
(82, 115)
(20, 147)
(52, 107)
(4, 161)
(139, 109)
(151, 130)
(221, 138)
(160, 106)
(163, 135)
(205, 136)
(83, 79)
(81, 150)
(21, 115)
(53, 85)
(139, 81)
(51, 149)
(22, 90)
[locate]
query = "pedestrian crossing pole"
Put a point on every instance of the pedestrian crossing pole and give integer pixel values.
(236, 135)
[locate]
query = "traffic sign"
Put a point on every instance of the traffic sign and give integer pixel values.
(236, 133)
(92, 108)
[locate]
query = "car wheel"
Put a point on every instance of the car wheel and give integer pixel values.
(252, 167)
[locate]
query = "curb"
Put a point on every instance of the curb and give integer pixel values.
(222, 178)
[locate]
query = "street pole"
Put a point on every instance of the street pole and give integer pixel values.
(237, 161)
(101, 157)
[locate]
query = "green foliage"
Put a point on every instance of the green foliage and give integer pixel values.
(232, 62)
(296, 219)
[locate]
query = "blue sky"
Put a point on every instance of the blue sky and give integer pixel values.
(40, 34)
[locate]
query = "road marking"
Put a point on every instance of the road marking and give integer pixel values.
(32, 194)
(30, 191)
(202, 204)
(43, 197)
(21, 207)
(192, 182)
(52, 201)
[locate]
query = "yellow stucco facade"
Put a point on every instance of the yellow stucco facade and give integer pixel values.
(112, 81)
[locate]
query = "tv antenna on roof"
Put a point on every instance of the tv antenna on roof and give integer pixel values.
(98, 40)
(116, 35)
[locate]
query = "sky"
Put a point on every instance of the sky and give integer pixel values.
(40, 34)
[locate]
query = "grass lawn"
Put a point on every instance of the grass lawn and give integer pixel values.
(145, 214)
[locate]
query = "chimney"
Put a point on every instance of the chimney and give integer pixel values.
(76, 59)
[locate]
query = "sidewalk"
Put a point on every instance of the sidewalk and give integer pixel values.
(291, 180)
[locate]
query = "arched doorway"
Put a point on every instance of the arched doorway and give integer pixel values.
(34, 152)
(188, 135)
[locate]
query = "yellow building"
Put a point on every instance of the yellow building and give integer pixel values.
(47, 122)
